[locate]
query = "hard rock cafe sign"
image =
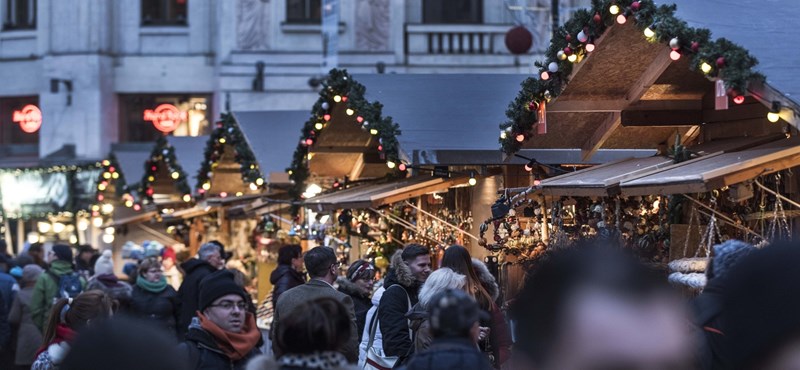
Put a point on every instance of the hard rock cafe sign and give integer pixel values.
(166, 117)
(29, 118)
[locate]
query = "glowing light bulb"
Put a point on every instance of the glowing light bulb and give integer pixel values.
(259, 181)
(773, 117)
(473, 181)
(738, 99)
(107, 208)
(545, 76)
(337, 98)
(253, 186)
(187, 198)
(520, 138)
(589, 48)
(390, 164)
(97, 222)
(108, 238)
(373, 131)
(674, 55)
(649, 33)
(129, 203)
(175, 175)
(621, 19)
(705, 67)
(222, 140)
(318, 126)
(572, 58)
(503, 134)
(206, 185)
(350, 112)
(614, 9)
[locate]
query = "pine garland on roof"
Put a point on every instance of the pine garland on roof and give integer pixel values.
(228, 133)
(340, 88)
(575, 40)
(163, 154)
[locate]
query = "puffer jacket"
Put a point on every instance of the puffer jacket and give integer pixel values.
(283, 278)
(449, 354)
(361, 301)
(395, 305)
(189, 293)
(117, 290)
(46, 289)
(159, 308)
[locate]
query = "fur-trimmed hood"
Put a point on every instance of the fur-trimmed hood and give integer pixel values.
(439, 281)
(350, 288)
(487, 280)
(400, 272)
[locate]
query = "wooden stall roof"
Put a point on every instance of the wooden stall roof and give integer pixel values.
(375, 195)
(716, 171)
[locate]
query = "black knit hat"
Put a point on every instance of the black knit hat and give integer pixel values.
(63, 252)
(218, 284)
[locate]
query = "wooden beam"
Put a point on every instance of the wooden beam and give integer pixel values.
(662, 118)
(586, 106)
(337, 149)
(735, 113)
(766, 94)
(601, 135)
(677, 104)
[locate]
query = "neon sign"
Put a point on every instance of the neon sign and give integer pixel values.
(166, 117)
(29, 118)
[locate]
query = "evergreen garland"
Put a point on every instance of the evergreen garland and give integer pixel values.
(228, 132)
(339, 85)
(163, 154)
(722, 58)
(110, 166)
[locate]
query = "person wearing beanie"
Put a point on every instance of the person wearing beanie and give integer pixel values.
(209, 259)
(153, 299)
(46, 290)
(171, 272)
(708, 308)
(29, 338)
(223, 335)
(83, 261)
(104, 279)
(358, 285)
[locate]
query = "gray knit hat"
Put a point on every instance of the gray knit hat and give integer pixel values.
(728, 254)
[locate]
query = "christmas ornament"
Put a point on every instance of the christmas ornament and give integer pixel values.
(582, 37)
(674, 43)
(568, 51)
(325, 105)
(545, 76)
(695, 46)
(519, 40)
(533, 106)
(561, 55)
(552, 67)
(720, 62)
(635, 6)
(568, 37)
(597, 18)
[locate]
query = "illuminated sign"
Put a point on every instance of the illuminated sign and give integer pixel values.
(166, 117)
(29, 118)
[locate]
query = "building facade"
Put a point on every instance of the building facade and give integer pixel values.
(101, 72)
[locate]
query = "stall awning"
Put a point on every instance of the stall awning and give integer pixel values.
(602, 180)
(376, 195)
(717, 171)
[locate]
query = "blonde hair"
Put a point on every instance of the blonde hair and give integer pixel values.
(439, 281)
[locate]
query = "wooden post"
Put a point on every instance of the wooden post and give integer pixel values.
(545, 229)
(20, 234)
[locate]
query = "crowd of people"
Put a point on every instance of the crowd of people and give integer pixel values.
(587, 307)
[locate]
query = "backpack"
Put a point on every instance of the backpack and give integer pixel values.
(69, 285)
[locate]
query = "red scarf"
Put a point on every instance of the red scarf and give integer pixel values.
(235, 345)
(63, 334)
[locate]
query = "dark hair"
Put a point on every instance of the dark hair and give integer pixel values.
(123, 344)
(539, 308)
(289, 252)
(85, 248)
(457, 258)
(35, 247)
(412, 251)
(86, 306)
(147, 264)
(318, 260)
(315, 326)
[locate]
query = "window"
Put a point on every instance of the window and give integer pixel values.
(22, 129)
(163, 12)
(147, 117)
(452, 11)
(19, 14)
(303, 11)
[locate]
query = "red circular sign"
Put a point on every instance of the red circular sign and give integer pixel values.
(29, 118)
(166, 117)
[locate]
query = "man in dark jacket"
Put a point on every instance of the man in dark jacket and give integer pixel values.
(454, 322)
(223, 335)
(410, 268)
(208, 261)
(323, 268)
(289, 272)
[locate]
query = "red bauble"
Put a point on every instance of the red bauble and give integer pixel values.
(568, 38)
(533, 106)
(597, 18)
(695, 46)
(519, 40)
(568, 50)
(344, 98)
(635, 6)
(720, 62)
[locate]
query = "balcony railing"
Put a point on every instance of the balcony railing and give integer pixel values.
(465, 39)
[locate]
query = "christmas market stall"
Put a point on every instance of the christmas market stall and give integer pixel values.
(632, 75)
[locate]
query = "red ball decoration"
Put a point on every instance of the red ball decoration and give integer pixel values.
(344, 98)
(519, 40)
(327, 117)
(533, 106)
(568, 50)
(597, 18)
(695, 46)
(720, 62)
(738, 99)
(568, 38)
(635, 6)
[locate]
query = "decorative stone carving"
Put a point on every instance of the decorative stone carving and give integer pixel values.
(372, 25)
(252, 24)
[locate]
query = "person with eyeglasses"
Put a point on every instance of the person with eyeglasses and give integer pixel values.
(153, 299)
(223, 334)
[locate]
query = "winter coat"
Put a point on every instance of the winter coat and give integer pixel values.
(395, 305)
(161, 309)
(7, 287)
(29, 338)
(117, 290)
(269, 363)
(84, 268)
(377, 342)
(283, 278)
(361, 301)
(449, 354)
(707, 310)
(189, 293)
(310, 291)
(500, 333)
(439, 281)
(51, 358)
(5, 326)
(204, 354)
(45, 291)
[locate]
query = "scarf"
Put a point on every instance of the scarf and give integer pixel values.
(235, 345)
(152, 287)
(316, 360)
(63, 334)
(109, 280)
